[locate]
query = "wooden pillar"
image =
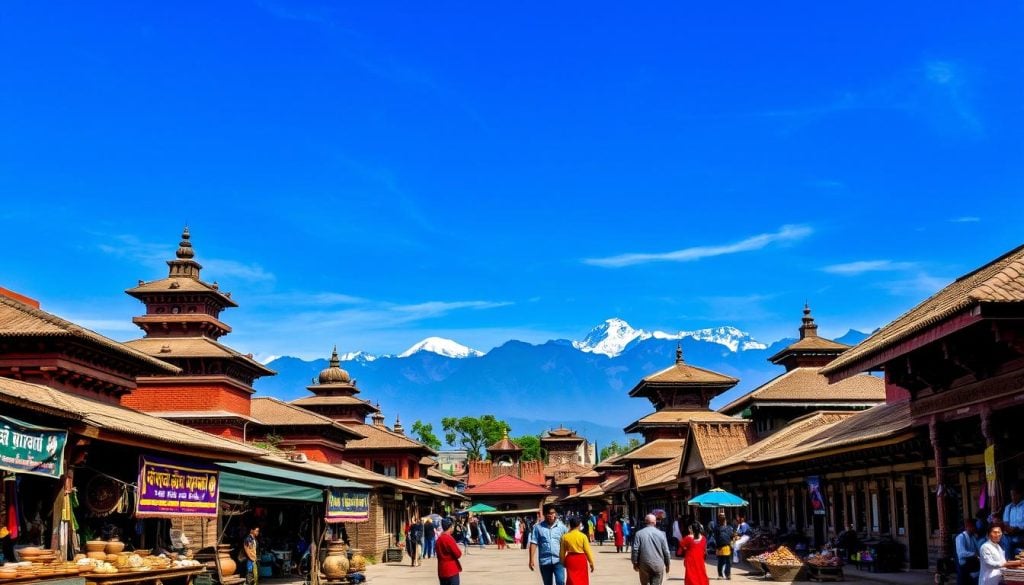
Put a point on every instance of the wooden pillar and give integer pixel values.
(940, 488)
(995, 494)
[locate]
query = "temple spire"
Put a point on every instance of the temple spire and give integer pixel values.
(184, 265)
(679, 352)
(808, 328)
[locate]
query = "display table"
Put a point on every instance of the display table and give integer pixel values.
(178, 576)
(824, 573)
(48, 580)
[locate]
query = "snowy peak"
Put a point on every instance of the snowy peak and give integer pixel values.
(610, 338)
(357, 356)
(613, 336)
(443, 347)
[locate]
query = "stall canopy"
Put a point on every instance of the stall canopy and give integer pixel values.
(261, 481)
(718, 498)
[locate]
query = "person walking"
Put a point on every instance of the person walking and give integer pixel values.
(252, 556)
(693, 549)
(501, 537)
(448, 553)
(518, 532)
(546, 544)
(620, 537)
(601, 529)
(428, 537)
(723, 543)
(651, 557)
(575, 554)
(967, 562)
(414, 542)
(993, 558)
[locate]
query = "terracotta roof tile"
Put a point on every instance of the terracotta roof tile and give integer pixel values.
(610, 485)
(1000, 281)
(683, 374)
(116, 419)
(808, 384)
(382, 438)
(613, 462)
(178, 285)
(810, 345)
(271, 411)
(20, 320)
(657, 474)
(192, 347)
(784, 441)
(331, 400)
(656, 449)
(716, 440)
(504, 444)
(667, 417)
(507, 484)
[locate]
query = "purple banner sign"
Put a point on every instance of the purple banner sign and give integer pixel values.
(168, 488)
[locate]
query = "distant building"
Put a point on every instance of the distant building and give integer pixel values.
(453, 462)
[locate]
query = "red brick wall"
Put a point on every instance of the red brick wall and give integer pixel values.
(187, 397)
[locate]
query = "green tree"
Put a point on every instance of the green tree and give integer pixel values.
(614, 448)
(474, 434)
(530, 444)
(425, 433)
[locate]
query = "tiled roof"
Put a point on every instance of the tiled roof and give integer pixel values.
(613, 462)
(118, 420)
(200, 415)
(809, 345)
(20, 320)
(815, 434)
(428, 461)
(193, 347)
(178, 285)
(362, 474)
(570, 468)
(656, 449)
(668, 417)
(334, 400)
(715, 440)
(1000, 281)
(610, 485)
(809, 385)
(683, 374)
(379, 437)
(271, 411)
(505, 444)
(655, 475)
(506, 484)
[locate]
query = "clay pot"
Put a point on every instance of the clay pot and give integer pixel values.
(336, 564)
(98, 555)
(358, 562)
(113, 547)
(95, 545)
(227, 564)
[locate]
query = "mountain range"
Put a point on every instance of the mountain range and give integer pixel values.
(582, 384)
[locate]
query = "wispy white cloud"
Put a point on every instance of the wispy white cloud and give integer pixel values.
(965, 219)
(238, 270)
(785, 234)
(864, 266)
(151, 255)
(917, 285)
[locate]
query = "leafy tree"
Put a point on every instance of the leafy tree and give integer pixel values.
(425, 433)
(531, 447)
(474, 434)
(614, 448)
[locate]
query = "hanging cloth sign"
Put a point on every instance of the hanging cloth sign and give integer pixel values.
(168, 488)
(26, 448)
(814, 492)
(347, 506)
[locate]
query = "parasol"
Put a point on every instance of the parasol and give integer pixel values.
(718, 498)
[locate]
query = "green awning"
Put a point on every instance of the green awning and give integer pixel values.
(262, 481)
(258, 487)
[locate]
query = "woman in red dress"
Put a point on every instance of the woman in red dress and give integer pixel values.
(620, 540)
(693, 549)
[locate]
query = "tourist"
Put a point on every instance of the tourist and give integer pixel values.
(620, 536)
(1013, 521)
(414, 541)
(723, 546)
(743, 534)
(677, 533)
(575, 554)
(448, 553)
(993, 558)
(461, 535)
(501, 536)
(428, 537)
(967, 562)
(601, 529)
(252, 557)
(693, 549)
(650, 556)
(485, 537)
(518, 534)
(546, 542)
(627, 532)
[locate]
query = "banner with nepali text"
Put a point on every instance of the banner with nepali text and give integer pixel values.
(347, 505)
(26, 448)
(168, 488)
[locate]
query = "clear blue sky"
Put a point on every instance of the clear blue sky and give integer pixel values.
(368, 174)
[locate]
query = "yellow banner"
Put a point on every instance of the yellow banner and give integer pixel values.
(990, 463)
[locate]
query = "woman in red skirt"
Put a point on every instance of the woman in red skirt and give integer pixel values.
(693, 549)
(576, 555)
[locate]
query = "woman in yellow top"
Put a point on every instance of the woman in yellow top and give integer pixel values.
(576, 555)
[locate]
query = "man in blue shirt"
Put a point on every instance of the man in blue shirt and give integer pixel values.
(1013, 522)
(546, 540)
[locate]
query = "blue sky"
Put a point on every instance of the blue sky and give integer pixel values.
(370, 174)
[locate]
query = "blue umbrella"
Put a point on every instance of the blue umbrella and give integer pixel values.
(718, 498)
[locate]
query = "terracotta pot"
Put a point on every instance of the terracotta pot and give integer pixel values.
(96, 545)
(227, 564)
(113, 547)
(358, 562)
(336, 564)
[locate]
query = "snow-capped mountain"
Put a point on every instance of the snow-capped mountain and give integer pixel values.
(361, 356)
(613, 336)
(443, 347)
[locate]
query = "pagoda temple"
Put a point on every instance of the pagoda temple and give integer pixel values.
(182, 327)
(504, 480)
